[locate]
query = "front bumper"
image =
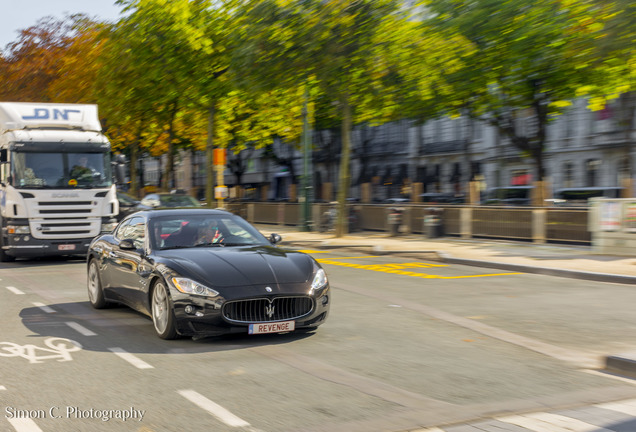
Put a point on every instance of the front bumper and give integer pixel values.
(199, 316)
(25, 246)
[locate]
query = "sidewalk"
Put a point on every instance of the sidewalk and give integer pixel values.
(556, 260)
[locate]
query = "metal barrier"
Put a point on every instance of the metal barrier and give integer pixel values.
(372, 217)
(451, 219)
(568, 226)
(266, 213)
(502, 222)
(558, 225)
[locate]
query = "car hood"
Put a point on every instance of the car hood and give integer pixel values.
(239, 266)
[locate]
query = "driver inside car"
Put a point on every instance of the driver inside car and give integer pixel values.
(209, 233)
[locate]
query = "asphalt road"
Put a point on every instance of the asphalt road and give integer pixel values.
(409, 344)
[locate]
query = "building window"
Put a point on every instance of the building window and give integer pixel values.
(568, 174)
(477, 127)
(592, 167)
(624, 170)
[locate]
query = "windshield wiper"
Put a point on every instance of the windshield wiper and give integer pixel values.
(175, 247)
(208, 244)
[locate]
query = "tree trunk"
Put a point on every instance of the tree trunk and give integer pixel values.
(344, 175)
(168, 178)
(134, 157)
(209, 160)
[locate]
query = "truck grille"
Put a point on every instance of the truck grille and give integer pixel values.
(267, 309)
(63, 228)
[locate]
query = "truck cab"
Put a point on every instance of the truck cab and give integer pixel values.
(56, 186)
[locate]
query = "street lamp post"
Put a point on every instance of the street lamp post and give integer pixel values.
(306, 183)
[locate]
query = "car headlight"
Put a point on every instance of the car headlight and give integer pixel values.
(18, 229)
(320, 280)
(188, 286)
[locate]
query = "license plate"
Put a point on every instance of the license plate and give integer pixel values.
(66, 247)
(279, 327)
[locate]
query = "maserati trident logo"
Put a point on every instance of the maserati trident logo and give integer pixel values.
(269, 310)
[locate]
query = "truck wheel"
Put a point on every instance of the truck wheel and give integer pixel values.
(3, 255)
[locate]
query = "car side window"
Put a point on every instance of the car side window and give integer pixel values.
(134, 229)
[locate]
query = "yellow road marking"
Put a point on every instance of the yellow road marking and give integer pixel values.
(367, 256)
(399, 269)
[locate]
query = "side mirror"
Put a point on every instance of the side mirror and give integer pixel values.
(275, 238)
(127, 244)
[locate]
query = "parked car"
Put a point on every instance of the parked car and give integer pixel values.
(508, 196)
(127, 205)
(442, 198)
(580, 196)
(167, 200)
(204, 272)
(396, 201)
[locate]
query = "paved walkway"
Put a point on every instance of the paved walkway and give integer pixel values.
(562, 260)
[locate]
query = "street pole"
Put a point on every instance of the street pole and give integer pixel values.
(306, 183)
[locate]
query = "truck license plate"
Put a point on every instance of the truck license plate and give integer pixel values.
(66, 247)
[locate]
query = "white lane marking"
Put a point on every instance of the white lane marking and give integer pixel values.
(44, 307)
(627, 406)
(213, 408)
(548, 422)
(14, 290)
(568, 423)
(3, 388)
(133, 360)
(24, 425)
(80, 329)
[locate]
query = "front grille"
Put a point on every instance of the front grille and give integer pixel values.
(268, 309)
(57, 228)
(65, 203)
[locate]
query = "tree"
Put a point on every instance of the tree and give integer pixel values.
(37, 67)
(614, 61)
(529, 60)
(341, 48)
(154, 54)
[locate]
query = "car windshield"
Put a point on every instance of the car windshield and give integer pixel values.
(61, 170)
(203, 230)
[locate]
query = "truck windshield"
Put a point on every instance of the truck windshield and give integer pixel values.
(61, 170)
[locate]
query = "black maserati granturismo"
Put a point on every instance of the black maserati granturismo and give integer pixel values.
(203, 272)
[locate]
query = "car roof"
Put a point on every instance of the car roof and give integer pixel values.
(176, 212)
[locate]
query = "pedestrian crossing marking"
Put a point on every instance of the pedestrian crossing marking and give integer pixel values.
(625, 407)
(548, 422)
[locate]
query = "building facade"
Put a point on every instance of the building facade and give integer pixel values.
(584, 149)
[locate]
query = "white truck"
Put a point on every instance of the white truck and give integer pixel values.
(56, 187)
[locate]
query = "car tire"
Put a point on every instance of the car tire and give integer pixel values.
(95, 291)
(162, 313)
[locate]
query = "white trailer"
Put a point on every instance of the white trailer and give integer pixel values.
(56, 186)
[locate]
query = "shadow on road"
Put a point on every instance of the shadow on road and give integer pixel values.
(121, 327)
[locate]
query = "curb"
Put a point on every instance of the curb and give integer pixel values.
(573, 274)
(621, 364)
